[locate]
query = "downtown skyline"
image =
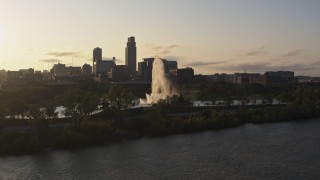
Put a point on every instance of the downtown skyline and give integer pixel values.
(209, 36)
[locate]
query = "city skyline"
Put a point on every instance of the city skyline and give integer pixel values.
(209, 36)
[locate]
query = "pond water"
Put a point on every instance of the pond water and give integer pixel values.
(289, 150)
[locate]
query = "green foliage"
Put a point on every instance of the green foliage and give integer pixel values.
(118, 99)
(17, 107)
(164, 106)
(78, 104)
(90, 132)
(170, 116)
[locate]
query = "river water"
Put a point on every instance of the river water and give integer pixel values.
(289, 150)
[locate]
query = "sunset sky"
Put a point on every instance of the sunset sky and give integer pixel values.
(212, 36)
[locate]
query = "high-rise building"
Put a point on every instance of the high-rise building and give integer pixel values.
(97, 54)
(97, 57)
(101, 67)
(131, 56)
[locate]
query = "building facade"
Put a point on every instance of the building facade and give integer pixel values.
(142, 70)
(170, 65)
(96, 56)
(185, 75)
(276, 77)
(131, 56)
(118, 73)
(87, 70)
(248, 78)
(103, 67)
(145, 68)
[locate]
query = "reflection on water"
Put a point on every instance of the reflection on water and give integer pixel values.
(59, 110)
(271, 151)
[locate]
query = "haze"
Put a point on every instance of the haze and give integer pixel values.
(212, 36)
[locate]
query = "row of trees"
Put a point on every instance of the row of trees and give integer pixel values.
(78, 102)
(45, 131)
(168, 116)
(287, 93)
(81, 103)
(16, 100)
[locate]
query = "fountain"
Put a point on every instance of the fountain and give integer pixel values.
(161, 86)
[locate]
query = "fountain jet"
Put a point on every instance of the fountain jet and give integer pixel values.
(161, 87)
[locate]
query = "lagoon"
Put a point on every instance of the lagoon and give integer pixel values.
(286, 150)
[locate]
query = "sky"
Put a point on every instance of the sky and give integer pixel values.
(211, 36)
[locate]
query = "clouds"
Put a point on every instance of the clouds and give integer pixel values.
(256, 67)
(160, 49)
(266, 66)
(316, 63)
(261, 51)
(257, 52)
(65, 53)
(202, 63)
(51, 60)
(293, 53)
(260, 60)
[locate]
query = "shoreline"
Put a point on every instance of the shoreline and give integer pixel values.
(152, 124)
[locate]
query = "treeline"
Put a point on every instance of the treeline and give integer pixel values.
(213, 91)
(16, 100)
(118, 121)
(156, 122)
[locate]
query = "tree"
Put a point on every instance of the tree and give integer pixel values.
(285, 97)
(78, 104)
(118, 99)
(49, 111)
(163, 106)
(17, 108)
(228, 102)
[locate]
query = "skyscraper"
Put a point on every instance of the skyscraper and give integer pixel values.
(97, 56)
(131, 56)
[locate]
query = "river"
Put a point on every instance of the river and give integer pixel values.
(289, 150)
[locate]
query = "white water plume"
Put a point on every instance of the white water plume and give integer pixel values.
(161, 87)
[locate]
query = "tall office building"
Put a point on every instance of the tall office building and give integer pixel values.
(97, 56)
(131, 56)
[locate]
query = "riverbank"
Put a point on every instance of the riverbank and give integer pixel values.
(155, 122)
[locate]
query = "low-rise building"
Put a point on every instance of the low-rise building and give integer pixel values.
(277, 77)
(86, 70)
(102, 68)
(248, 78)
(221, 78)
(185, 75)
(119, 73)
